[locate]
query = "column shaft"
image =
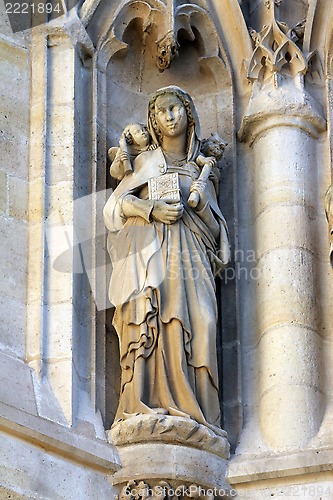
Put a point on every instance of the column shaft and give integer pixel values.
(290, 401)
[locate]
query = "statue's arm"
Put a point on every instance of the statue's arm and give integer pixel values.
(116, 168)
(132, 206)
(150, 210)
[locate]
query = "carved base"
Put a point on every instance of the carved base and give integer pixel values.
(163, 453)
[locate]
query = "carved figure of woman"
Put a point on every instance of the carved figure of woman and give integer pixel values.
(164, 255)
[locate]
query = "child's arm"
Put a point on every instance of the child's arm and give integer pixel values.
(116, 168)
(207, 165)
(124, 155)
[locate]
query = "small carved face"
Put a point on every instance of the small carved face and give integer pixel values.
(170, 115)
(213, 146)
(139, 134)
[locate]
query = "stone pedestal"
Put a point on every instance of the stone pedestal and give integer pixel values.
(167, 455)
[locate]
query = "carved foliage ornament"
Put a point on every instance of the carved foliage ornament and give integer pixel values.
(277, 49)
(140, 490)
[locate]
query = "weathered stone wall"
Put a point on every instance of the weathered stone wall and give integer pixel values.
(14, 143)
(32, 473)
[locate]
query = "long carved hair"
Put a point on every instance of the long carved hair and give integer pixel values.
(193, 125)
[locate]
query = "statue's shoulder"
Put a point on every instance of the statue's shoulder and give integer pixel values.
(145, 165)
(149, 161)
(148, 156)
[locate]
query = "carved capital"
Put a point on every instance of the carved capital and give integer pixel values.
(288, 105)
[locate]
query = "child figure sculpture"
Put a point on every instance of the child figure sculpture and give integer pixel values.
(134, 140)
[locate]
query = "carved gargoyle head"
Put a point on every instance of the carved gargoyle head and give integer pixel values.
(167, 50)
(213, 146)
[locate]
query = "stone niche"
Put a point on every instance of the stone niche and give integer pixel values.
(143, 46)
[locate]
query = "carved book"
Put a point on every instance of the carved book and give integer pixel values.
(165, 187)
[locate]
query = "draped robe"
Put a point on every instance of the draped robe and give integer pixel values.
(163, 289)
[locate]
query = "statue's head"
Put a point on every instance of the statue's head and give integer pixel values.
(137, 134)
(213, 146)
(171, 112)
(170, 117)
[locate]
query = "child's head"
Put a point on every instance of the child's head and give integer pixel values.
(214, 146)
(137, 134)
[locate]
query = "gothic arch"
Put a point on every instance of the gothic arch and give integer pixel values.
(229, 23)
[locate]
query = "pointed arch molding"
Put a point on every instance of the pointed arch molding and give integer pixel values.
(222, 28)
(169, 20)
(226, 19)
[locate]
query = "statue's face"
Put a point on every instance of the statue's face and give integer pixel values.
(170, 115)
(139, 134)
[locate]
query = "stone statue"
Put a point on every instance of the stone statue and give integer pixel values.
(166, 246)
(134, 139)
(329, 216)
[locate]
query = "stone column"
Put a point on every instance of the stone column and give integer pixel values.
(55, 181)
(281, 125)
